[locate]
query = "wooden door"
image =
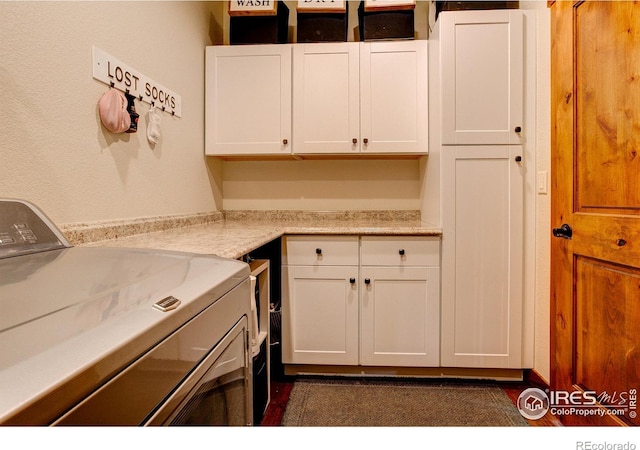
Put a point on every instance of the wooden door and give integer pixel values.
(595, 258)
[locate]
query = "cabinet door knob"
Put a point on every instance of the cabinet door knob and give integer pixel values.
(518, 129)
(367, 281)
(352, 280)
(518, 158)
(285, 141)
(401, 252)
(318, 251)
(354, 140)
(366, 140)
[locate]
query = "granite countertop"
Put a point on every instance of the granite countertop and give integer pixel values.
(238, 235)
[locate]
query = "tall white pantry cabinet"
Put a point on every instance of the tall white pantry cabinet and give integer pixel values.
(478, 62)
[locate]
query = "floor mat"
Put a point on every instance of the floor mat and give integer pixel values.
(374, 402)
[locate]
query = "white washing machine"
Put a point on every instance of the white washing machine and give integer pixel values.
(106, 336)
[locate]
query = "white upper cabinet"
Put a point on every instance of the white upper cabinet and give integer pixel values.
(326, 98)
(394, 98)
(248, 100)
(482, 77)
(367, 97)
(323, 98)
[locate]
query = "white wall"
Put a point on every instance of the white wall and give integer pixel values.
(53, 149)
(543, 201)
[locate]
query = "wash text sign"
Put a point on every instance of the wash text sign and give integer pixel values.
(252, 7)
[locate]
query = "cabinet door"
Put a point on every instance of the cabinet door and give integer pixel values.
(400, 316)
(394, 97)
(320, 315)
(482, 76)
(326, 98)
(248, 100)
(482, 257)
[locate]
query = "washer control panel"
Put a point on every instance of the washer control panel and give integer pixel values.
(25, 230)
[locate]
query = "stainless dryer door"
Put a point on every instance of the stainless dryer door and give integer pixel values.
(218, 392)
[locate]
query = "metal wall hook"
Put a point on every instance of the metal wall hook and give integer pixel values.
(117, 75)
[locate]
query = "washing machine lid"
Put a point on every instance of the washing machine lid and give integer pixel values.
(48, 297)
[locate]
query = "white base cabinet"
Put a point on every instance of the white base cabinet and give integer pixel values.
(400, 301)
(381, 311)
(321, 325)
(320, 300)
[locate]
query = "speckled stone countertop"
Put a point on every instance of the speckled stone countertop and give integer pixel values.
(241, 232)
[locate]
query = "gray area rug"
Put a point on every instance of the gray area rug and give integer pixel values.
(357, 402)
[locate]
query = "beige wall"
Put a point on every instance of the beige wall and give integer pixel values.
(322, 185)
(53, 149)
